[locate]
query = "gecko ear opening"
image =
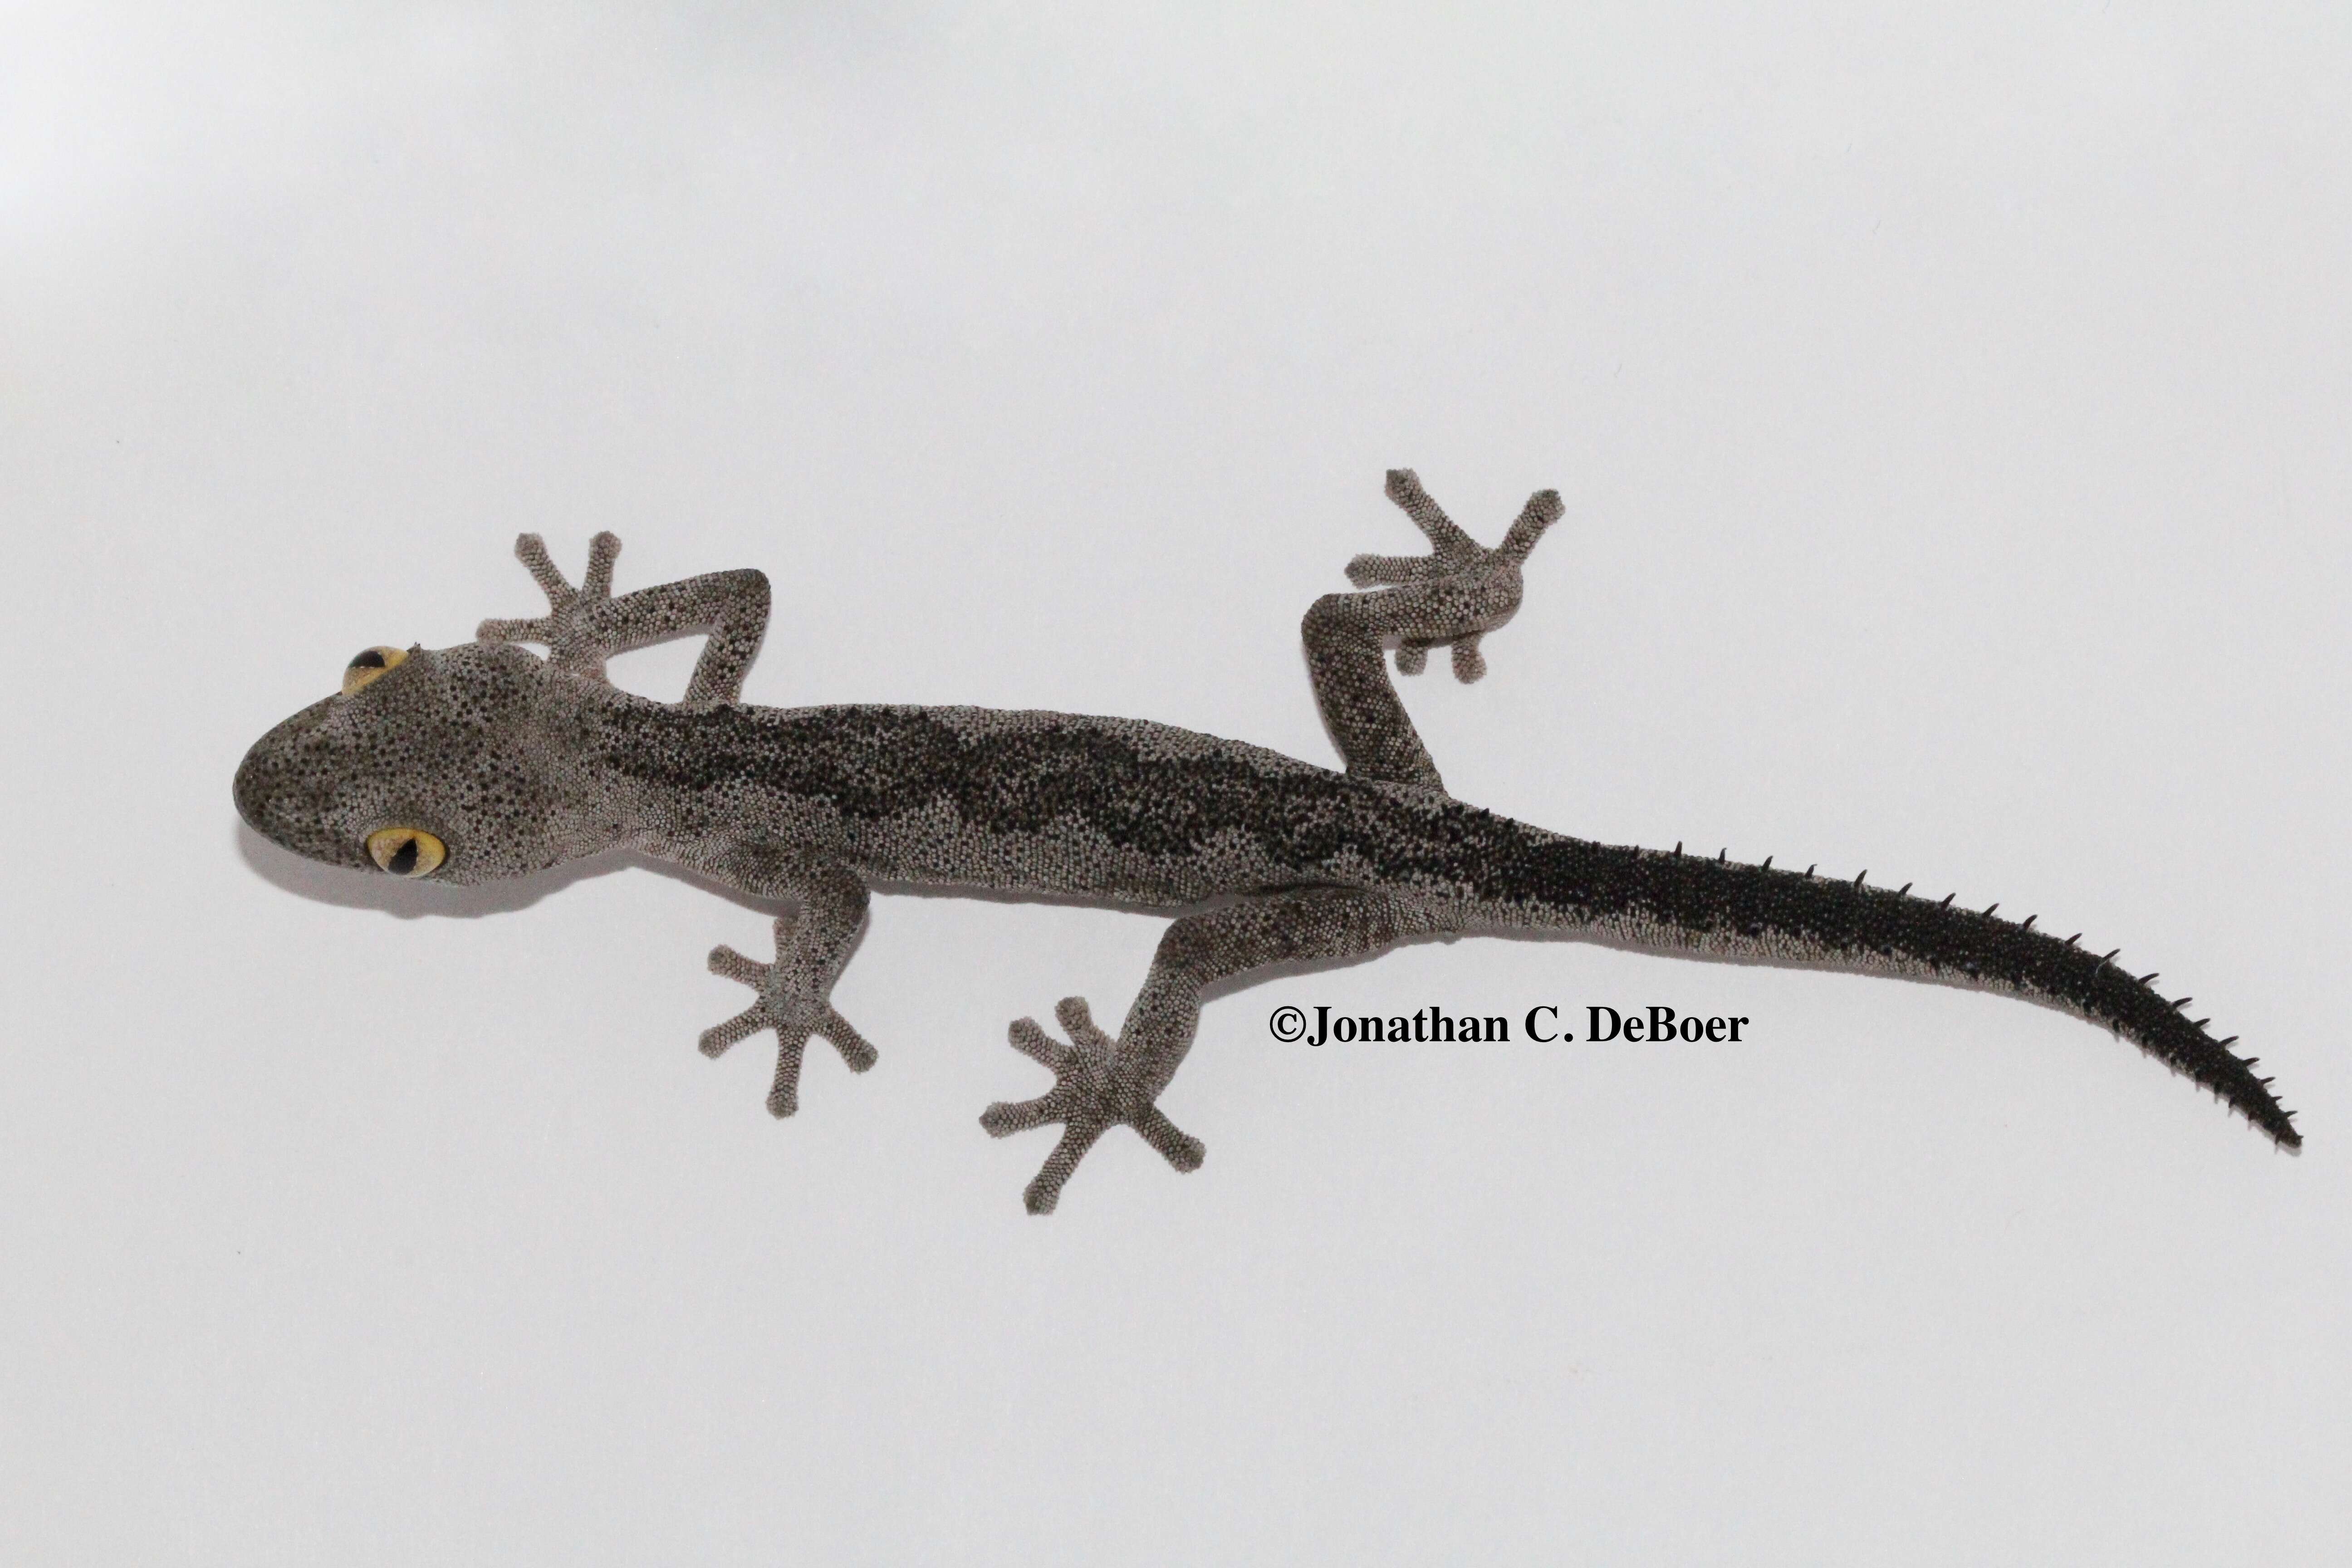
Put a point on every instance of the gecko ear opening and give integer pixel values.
(368, 665)
(406, 851)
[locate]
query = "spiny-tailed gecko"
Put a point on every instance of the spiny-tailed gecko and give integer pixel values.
(485, 760)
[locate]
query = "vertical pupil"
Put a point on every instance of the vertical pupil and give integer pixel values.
(371, 660)
(403, 859)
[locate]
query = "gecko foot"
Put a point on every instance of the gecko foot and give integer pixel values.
(793, 1014)
(564, 631)
(1087, 1098)
(1459, 591)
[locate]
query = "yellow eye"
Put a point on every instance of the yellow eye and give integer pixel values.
(406, 851)
(369, 665)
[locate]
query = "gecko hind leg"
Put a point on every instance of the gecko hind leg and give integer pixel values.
(1453, 596)
(585, 625)
(1101, 1082)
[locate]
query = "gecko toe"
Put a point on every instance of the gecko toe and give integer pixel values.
(1371, 571)
(727, 962)
(537, 631)
(1038, 1045)
(1007, 1116)
(846, 1039)
(1179, 1149)
(1077, 1136)
(784, 1095)
(1073, 1014)
(717, 1039)
(597, 584)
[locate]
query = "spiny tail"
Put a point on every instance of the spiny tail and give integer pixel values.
(1667, 899)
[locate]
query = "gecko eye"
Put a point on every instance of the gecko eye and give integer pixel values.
(368, 665)
(406, 851)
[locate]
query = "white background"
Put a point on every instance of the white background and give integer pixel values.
(1950, 403)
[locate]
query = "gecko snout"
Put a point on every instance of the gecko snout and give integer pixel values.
(281, 787)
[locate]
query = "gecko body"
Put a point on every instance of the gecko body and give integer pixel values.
(485, 760)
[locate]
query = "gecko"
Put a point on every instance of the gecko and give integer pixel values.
(486, 761)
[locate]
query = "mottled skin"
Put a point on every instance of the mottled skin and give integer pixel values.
(517, 763)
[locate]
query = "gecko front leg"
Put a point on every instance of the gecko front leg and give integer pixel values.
(1455, 594)
(1101, 1082)
(812, 946)
(586, 625)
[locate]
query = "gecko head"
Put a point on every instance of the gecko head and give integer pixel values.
(422, 765)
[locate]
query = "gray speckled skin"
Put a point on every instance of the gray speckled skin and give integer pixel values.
(517, 763)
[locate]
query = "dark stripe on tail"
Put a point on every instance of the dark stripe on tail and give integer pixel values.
(1655, 897)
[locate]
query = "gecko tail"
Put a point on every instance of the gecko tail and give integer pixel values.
(1707, 904)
